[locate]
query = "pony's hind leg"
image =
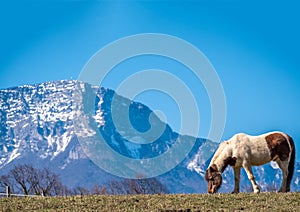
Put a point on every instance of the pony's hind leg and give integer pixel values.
(251, 177)
(283, 165)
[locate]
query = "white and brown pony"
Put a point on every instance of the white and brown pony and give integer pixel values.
(245, 151)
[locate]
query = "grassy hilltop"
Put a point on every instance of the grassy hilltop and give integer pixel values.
(179, 202)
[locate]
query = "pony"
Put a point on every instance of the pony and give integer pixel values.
(245, 151)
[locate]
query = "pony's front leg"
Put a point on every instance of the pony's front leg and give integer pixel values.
(237, 171)
(251, 177)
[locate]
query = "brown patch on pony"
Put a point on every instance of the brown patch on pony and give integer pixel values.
(213, 168)
(278, 146)
(229, 161)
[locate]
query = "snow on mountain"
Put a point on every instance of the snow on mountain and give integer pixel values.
(37, 127)
(31, 114)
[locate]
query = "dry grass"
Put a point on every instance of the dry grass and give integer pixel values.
(178, 202)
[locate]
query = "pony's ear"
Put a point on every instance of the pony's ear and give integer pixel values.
(206, 177)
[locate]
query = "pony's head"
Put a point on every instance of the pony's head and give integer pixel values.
(213, 178)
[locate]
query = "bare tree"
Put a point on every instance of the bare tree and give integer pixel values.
(30, 180)
(98, 189)
(148, 186)
(61, 190)
(20, 175)
(33, 178)
(137, 186)
(46, 182)
(81, 191)
(116, 187)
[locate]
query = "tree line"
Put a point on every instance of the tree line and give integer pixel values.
(28, 180)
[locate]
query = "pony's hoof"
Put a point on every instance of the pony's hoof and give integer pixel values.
(234, 192)
(256, 191)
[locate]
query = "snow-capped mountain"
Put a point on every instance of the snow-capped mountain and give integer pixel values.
(37, 127)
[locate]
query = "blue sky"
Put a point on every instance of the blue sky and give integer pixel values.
(253, 46)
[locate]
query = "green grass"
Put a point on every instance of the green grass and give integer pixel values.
(193, 202)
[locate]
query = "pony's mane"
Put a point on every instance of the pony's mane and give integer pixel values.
(218, 152)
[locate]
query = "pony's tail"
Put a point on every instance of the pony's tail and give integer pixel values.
(291, 163)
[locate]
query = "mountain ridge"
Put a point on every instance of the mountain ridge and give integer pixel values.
(37, 128)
